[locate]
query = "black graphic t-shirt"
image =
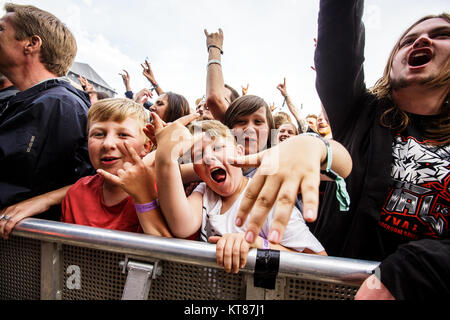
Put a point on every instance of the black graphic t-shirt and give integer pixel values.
(418, 204)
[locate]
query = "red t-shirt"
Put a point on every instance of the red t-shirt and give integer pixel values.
(84, 205)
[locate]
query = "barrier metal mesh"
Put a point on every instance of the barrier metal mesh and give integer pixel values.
(20, 269)
(102, 278)
(299, 289)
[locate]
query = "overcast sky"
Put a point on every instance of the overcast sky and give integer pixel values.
(265, 41)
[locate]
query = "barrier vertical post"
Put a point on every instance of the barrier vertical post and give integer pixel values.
(51, 271)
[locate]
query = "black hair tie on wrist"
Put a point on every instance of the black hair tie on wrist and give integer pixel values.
(214, 46)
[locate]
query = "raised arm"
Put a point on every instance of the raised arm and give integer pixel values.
(215, 85)
(126, 80)
(183, 215)
(339, 61)
(148, 73)
(292, 108)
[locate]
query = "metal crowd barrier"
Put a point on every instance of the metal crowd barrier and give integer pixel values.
(50, 260)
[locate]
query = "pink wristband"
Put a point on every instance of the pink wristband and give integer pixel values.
(265, 244)
(146, 207)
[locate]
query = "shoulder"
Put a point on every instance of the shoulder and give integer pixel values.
(86, 183)
(201, 188)
(60, 93)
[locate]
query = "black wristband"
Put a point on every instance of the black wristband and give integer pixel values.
(214, 46)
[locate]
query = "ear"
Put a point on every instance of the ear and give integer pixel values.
(33, 45)
(240, 151)
(147, 147)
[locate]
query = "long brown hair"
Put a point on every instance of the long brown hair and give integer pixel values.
(178, 106)
(397, 119)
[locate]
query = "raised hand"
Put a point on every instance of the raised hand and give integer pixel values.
(136, 178)
(175, 137)
(148, 73)
(88, 87)
(272, 107)
(214, 40)
(282, 88)
(143, 95)
(126, 79)
(245, 89)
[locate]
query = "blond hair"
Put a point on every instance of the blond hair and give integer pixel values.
(59, 46)
(117, 110)
(395, 118)
(213, 128)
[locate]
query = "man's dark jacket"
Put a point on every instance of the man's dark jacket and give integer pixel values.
(43, 144)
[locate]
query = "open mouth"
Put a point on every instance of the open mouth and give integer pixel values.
(219, 175)
(108, 160)
(420, 57)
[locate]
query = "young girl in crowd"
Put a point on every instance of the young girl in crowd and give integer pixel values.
(250, 119)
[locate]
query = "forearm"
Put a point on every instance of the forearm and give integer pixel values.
(215, 87)
(188, 174)
(56, 197)
(342, 162)
(159, 90)
(172, 199)
(293, 109)
(153, 223)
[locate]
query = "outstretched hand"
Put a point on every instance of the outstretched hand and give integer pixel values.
(277, 181)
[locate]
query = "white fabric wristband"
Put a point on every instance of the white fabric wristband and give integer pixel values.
(210, 62)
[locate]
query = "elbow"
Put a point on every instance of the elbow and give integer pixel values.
(347, 167)
(217, 106)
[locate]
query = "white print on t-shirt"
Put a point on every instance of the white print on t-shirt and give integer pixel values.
(418, 204)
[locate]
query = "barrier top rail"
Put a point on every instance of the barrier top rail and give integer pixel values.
(297, 265)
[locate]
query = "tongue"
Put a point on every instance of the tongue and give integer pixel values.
(219, 175)
(419, 60)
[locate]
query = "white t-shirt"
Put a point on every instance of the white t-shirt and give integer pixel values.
(297, 235)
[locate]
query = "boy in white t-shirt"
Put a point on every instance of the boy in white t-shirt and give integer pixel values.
(213, 206)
